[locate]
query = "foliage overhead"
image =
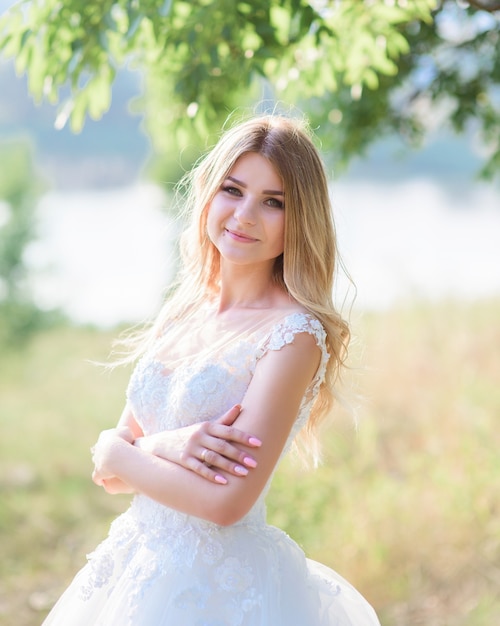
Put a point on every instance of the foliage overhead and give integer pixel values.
(358, 68)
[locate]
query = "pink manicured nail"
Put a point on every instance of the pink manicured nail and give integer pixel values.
(250, 462)
(253, 441)
(220, 479)
(241, 470)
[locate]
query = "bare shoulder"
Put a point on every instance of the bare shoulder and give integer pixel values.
(286, 304)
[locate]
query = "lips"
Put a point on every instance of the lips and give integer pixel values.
(239, 236)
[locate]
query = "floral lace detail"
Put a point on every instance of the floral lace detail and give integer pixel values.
(284, 334)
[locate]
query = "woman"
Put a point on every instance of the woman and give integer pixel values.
(251, 334)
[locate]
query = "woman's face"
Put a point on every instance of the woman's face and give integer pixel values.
(246, 218)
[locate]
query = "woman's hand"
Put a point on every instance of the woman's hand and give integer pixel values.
(101, 455)
(113, 485)
(206, 448)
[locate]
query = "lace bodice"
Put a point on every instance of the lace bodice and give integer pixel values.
(204, 387)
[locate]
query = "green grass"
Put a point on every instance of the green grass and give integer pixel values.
(406, 507)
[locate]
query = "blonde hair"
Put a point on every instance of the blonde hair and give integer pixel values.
(308, 265)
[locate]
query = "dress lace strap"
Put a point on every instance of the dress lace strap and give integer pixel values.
(283, 333)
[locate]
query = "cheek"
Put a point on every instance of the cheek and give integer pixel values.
(214, 226)
(211, 221)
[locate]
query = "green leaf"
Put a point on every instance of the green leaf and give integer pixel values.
(77, 117)
(99, 93)
(384, 65)
(370, 78)
(396, 44)
(36, 77)
(23, 57)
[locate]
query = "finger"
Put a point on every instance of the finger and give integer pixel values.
(230, 433)
(109, 487)
(203, 470)
(229, 416)
(239, 467)
(221, 450)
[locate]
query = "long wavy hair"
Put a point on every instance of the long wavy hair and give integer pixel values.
(308, 265)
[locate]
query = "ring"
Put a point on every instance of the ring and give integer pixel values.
(203, 455)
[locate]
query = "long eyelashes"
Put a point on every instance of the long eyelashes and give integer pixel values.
(272, 202)
(232, 190)
(275, 203)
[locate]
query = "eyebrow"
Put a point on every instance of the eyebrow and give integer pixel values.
(271, 192)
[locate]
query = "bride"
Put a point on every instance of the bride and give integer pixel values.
(241, 363)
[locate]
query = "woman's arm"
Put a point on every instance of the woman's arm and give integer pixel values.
(204, 448)
(269, 410)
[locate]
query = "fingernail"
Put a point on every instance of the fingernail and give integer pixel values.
(253, 441)
(220, 479)
(241, 470)
(250, 462)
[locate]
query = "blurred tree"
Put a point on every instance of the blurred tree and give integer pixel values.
(19, 189)
(359, 68)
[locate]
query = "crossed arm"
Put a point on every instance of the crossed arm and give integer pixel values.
(205, 448)
(168, 472)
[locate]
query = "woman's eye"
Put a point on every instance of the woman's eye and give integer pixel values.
(234, 191)
(275, 203)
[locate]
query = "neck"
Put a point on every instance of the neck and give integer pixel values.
(247, 288)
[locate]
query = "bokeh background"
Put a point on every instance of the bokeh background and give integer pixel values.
(405, 504)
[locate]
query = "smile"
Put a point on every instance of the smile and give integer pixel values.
(240, 236)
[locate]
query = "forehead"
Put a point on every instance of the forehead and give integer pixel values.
(254, 168)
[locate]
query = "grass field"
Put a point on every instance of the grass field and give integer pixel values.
(407, 507)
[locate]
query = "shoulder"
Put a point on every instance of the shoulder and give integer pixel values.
(286, 331)
(305, 336)
(296, 345)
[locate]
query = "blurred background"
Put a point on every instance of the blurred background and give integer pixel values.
(101, 110)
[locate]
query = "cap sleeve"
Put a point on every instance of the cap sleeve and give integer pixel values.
(283, 333)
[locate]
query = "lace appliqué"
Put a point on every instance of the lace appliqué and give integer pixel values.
(284, 333)
(232, 578)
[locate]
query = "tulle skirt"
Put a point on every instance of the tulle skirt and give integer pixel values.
(199, 574)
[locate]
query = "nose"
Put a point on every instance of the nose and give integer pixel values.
(245, 211)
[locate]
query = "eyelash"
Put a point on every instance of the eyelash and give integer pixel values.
(230, 189)
(234, 191)
(278, 204)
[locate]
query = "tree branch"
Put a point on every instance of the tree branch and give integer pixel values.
(486, 5)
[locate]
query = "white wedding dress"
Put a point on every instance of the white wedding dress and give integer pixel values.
(159, 567)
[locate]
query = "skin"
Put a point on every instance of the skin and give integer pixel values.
(246, 224)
